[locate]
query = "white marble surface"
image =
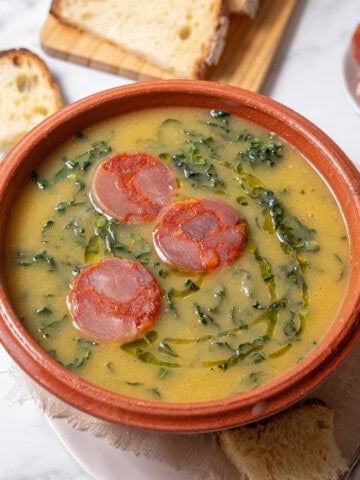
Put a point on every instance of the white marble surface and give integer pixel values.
(306, 75)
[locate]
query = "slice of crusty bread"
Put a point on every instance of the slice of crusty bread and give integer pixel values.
(28, 94)
(248, 7)
(297, 444)
(181, 37)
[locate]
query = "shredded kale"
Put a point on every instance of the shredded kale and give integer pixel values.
(26, 260)
(44, 311)
(80, 136)
(204, 317)
(45, 257)
(110, 237)
(155, 391)
(266, 272)
(170, 301)
(232, 314)
(260, 153)
(291, 232)
(140, 344)
(242, 351)
(246, 282)
(149, 357)
(45, 229)
(197, 169)
(49, 329)
(278, 304)
(92, 249)
(219, 114)
(292, 326)
(162, 372)
(165, 348)
(85, 347)
(288, 228)
(219, 295)
(61, 207)
(190, 288)
(97, 151)
(79, 361)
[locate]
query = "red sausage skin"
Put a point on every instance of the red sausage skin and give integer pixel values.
(115, 299)
(132, 187)
(199, 234)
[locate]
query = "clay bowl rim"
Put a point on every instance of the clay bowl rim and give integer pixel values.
(327, 158)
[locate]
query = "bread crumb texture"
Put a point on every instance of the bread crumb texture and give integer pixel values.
(28, 94)
(181, 37)
(297, 444)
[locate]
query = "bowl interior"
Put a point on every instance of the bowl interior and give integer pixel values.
(327, 159)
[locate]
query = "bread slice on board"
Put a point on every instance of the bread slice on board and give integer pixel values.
(247, 7)
(181, 37)
(28, 94)
(297, 444)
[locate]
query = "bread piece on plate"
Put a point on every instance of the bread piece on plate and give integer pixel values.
(247, 7)
(297, 444)
(28, 94)
(180, 37)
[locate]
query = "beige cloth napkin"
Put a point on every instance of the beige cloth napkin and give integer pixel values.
(199, 454)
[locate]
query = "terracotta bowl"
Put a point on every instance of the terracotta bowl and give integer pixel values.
(331, 163)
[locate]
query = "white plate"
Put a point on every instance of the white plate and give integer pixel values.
(350, 74)
(104, 462)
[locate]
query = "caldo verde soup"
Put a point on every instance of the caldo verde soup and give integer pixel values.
(176, 255)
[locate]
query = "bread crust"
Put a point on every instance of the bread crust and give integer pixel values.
(30, 94)
(219, 39)
(209, 54)
(276, 447)
(246, 7)
(16, 55)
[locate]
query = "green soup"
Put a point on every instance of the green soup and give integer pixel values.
(218, 333)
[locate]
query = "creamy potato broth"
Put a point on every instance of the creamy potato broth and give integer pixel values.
(219, 333)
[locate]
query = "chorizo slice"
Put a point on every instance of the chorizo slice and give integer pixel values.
(132, 187)
(115, 299)
(199, 234)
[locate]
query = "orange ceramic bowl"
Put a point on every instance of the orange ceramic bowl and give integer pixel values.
(331, 163)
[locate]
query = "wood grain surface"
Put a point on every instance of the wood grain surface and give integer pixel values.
(248, 52)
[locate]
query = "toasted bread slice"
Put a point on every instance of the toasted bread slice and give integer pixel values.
(180, 37)
(297, 444)
(28, 94)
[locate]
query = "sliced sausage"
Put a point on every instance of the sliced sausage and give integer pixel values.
(199, 234)
(115, 299)
(132, 186)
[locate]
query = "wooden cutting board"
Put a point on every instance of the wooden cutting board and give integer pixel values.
(248, 52)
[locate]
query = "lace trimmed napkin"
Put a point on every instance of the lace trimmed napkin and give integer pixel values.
(199, 454)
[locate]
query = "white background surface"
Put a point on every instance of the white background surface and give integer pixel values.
(306, 75)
